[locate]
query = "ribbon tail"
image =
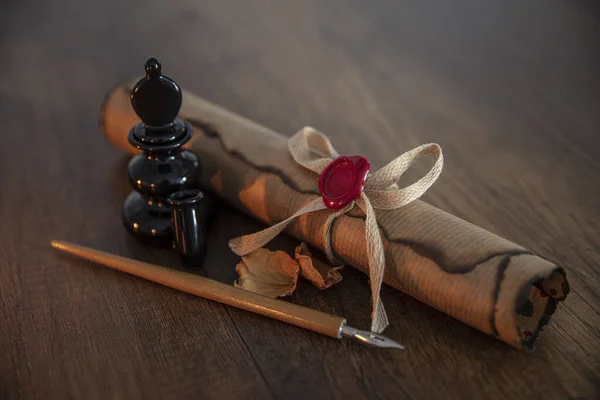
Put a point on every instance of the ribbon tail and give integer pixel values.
(248, 243)
(376, 256)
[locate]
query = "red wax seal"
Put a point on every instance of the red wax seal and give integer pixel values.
(343, 180)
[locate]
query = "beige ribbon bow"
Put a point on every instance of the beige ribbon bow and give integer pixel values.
(314, 151)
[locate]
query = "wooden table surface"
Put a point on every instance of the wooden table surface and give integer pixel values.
(509, 89)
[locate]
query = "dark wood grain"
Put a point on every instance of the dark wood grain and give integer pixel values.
(509, 89)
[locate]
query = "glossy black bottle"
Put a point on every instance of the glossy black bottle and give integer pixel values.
(164, 167)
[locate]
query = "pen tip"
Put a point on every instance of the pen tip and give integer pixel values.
(394, 345)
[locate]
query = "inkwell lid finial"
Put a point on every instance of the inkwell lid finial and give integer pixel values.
(156, 98)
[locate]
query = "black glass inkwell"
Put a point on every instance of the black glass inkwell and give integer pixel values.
(163, 169)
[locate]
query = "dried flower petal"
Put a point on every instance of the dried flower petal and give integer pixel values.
(320, 274)
(269, 273)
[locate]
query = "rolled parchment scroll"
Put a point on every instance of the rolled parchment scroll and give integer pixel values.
(460, 269)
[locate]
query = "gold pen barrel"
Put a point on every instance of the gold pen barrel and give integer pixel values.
(302, 317)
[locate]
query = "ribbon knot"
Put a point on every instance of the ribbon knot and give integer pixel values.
(314, 151)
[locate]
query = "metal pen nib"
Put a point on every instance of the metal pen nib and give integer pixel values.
(369, 338)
